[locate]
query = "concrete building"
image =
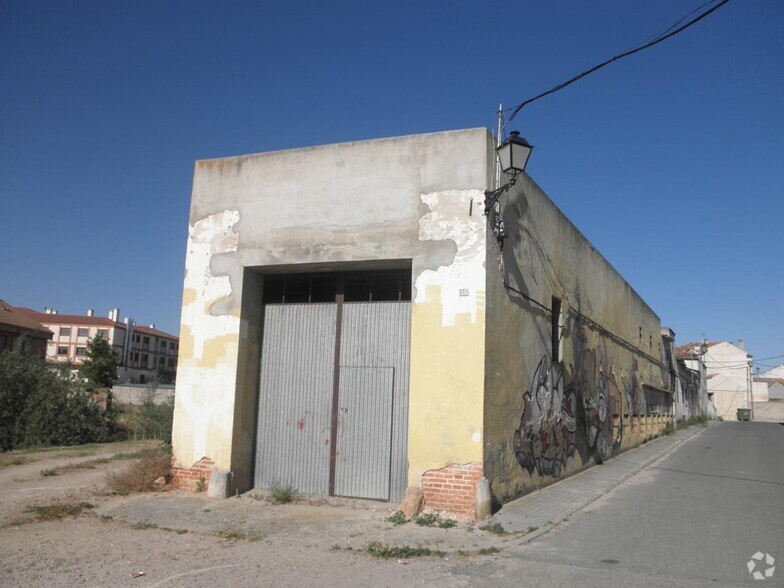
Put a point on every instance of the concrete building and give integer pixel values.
(694, 380)
(351, 326)
(16, 328)
(144, 353)
(728, 368)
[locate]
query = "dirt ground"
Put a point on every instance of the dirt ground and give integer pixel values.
(182, 538)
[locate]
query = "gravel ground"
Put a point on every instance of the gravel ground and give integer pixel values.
(184, 539)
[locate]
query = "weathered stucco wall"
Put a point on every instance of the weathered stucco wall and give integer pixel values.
(545, 419)
(354, 205)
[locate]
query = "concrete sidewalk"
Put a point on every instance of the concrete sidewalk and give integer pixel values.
(540, 511)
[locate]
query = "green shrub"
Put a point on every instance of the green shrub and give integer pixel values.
(282, 494)
(38, 407)
(397, 518)
(148, 421)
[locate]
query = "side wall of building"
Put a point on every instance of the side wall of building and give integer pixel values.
(410, 201)
(553, 408)
(728, 378)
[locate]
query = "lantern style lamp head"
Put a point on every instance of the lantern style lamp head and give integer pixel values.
(514, 153)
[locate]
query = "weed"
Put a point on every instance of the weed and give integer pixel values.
(433, 520)
(426, 519)
(483, 551)
(141, 476)
(234, 535)
(282, 494)
(143, 526)
(106, 518)
(49, 472)
(181, 531)
(201, 485)
(397, 518)
(60, 510)
(532, 529)
(495, 528)
(384, 551)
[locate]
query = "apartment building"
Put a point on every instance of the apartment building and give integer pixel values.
(144, 353)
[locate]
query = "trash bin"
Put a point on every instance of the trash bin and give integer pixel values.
(744, 414)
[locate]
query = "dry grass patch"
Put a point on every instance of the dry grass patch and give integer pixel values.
(57, 511)
(152, 464)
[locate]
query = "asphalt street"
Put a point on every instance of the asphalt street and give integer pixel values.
(695, 517)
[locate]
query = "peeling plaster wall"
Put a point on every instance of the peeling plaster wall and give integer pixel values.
(546, 419)
(399, 201)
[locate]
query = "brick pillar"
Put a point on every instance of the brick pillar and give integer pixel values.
(452, 489)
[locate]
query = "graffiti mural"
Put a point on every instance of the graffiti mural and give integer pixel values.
(545, 439)
(561, 419)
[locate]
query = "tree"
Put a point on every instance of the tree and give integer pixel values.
(100, 365)
(39, 407)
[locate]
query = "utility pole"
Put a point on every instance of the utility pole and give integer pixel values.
(751, 388)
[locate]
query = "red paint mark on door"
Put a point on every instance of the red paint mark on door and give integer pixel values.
(301, 424)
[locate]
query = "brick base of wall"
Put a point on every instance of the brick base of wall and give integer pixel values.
(452, 490)
(188, 478)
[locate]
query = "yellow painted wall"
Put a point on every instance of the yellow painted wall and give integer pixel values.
(446, 388)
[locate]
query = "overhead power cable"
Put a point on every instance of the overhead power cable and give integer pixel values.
(656, 41)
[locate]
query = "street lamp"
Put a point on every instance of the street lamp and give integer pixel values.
(513, 156)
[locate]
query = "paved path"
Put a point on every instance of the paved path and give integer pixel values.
(540, 511)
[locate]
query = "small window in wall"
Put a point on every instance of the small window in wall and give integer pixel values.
(81, 351)
(555, 328)
(65, 331)
(144, 359)
(62, 350)
(81, 332)
(104, 333)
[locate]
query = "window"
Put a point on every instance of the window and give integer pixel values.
(65, 331)
(368, 286)
(161, 362)
(171, 362)
(82, 332)
(104, 333)
(163, 345)
(81, 351)
(62, 350)
(144, 360)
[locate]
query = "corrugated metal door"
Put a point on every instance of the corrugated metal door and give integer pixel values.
(295, 397)
(362, 459)
(300, 411)
(371, 448)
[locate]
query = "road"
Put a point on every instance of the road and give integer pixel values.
(695, 517)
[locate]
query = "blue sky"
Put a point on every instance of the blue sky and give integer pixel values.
(669, 161)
